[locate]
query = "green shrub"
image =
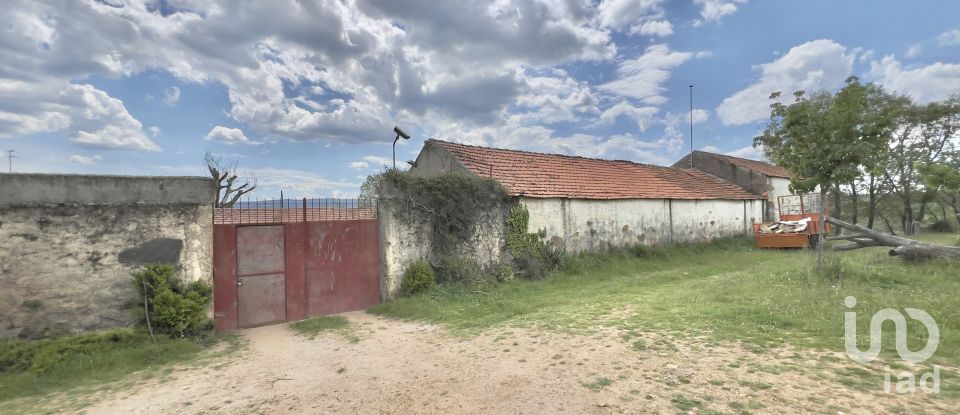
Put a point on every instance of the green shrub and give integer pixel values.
(502, 271)
(175, 308)
(453, 268)
(531, 268)
(553, 257)
(941, 226)
(417, 277)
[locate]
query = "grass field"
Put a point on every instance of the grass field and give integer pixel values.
(91, 362)
(727, 291)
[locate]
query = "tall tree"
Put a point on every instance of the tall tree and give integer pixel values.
(231, 185)
(924, 135)
(826, 139)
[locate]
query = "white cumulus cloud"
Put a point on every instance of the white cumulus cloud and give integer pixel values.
(949, 38)
(229, 136)
(642, 116)
(811, 66)
(714, 10)
(642, 78)
(932, 82)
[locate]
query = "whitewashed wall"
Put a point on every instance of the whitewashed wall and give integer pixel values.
(779, 186)
(591, 225)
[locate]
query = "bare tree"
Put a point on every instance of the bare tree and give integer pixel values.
(230, 184)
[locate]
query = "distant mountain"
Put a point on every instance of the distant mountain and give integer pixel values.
(327, 202)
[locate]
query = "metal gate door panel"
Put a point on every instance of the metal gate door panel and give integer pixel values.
(261, 300)
(259, 249)
(261, 291)
(342, 266)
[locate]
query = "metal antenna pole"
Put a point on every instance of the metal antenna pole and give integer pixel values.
(691, 126)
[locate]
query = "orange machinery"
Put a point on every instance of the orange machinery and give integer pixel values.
(793, 208)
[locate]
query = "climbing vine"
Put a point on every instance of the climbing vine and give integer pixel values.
(521, 243)
(453, 202)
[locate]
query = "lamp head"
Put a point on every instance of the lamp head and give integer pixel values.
(400, 133)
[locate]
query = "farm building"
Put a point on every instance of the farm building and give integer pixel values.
(589, 204)
(754, 176)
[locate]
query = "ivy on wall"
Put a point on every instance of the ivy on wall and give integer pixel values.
(521, 243)
(453, 202)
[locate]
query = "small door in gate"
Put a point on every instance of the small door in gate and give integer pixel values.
(261, 291)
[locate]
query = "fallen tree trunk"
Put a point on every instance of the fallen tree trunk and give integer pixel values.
(861, 237)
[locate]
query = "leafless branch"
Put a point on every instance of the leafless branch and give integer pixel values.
(226, 176)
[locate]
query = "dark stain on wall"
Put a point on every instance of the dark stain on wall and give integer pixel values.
(155, 251)
(95, 257)
(43, 224)
(28, 236)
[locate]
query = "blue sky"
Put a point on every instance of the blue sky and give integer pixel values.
(304, 95)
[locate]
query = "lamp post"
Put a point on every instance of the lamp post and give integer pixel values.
(400, 134)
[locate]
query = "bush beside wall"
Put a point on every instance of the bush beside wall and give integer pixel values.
(175, 308)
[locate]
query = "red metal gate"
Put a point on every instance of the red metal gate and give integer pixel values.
(269, 273)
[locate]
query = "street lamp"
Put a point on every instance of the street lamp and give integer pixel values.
(400, 134)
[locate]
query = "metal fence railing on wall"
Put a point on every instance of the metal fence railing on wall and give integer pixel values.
(295, 210)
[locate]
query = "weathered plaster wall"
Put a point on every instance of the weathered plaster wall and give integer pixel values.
(750, 180)
(434, 159)
(39, 189)
(406, 238)
(778, 187)
(65, 265)
(593, 225)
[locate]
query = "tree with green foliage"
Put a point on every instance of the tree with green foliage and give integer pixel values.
(944, 177)
(924, 135)
(828, 139)
(370, 189)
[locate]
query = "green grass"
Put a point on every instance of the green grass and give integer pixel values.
(727, 290)
(685, 404)
(36, 367)
(598, 384)
(313, 326)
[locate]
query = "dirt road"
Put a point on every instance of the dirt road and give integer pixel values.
(401, 367)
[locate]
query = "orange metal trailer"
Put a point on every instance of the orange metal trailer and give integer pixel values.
(793, 208)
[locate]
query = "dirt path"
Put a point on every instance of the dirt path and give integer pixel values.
(404, 367)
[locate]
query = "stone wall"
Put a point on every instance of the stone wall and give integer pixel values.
(407, 237)
(595, 225)
(69, 243)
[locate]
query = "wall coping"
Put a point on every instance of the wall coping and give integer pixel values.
(40, 189)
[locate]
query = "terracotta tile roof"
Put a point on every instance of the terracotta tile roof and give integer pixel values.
(541, 175)
(757, 166)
